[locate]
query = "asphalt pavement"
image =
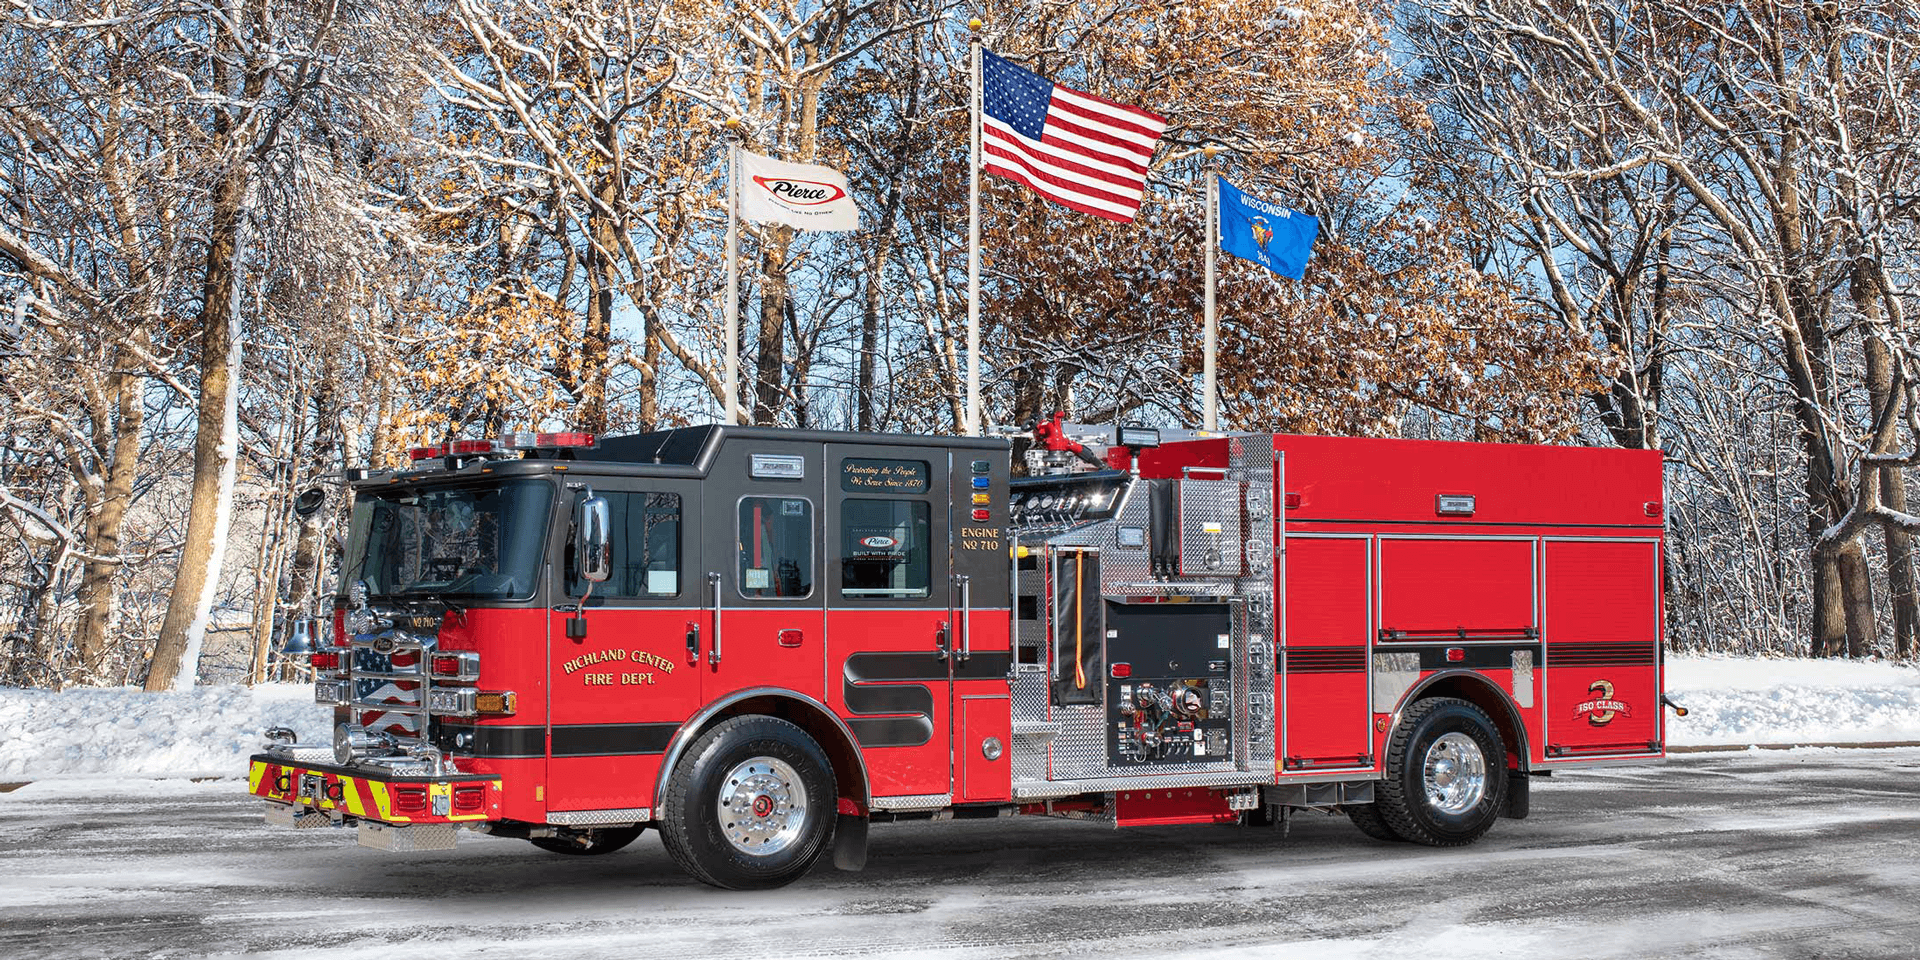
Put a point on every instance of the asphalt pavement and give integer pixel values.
(1805, 853)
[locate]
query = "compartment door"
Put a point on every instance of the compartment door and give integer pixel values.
(1324, 694)
(1602, 633)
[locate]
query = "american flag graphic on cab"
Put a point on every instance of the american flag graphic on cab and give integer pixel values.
(1073, 148)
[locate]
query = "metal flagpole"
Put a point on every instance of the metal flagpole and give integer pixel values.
(730, 385)
(973, 239)
(1210, 373)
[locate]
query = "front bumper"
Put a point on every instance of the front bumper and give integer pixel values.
(310, 788)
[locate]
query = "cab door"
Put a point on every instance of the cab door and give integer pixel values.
(891, 607)
(762, 623)
(982, 601)
(624, 684)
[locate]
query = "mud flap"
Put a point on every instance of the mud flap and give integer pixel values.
(850, 842)
(1519, 802)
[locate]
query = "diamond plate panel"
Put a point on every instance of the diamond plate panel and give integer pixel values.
(1523, 677)
(1209, 524)
(1029, 706)
(923, 801)
(419, 836)
(590, 818)
(1393, 675)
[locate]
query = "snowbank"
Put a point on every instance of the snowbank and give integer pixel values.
(1743, 700)
(205, 732)
(209, 731)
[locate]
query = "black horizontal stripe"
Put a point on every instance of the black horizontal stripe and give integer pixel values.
(888, 698)
(1643, 653)
(611, 739)
(984, 666)
(891, 731)
(1473, 656)
(881, 667)
(1326, 659)
(569, 740)
(491, 741)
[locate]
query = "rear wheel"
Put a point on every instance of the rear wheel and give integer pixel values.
(590, 843)
(750, 806)
(1446, 774)
(1367, 817)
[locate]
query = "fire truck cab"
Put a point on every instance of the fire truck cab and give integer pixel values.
(761, 640)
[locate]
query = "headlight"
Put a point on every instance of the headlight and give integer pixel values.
(332, 692)
(454, 702)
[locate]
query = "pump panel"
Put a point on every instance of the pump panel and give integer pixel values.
(1170, 683)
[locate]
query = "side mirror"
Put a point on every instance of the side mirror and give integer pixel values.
(591, 525)
(309, 501)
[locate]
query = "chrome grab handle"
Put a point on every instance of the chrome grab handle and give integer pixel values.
(966, 615)
(713, 652)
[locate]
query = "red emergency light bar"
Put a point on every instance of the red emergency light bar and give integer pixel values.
(506, 443)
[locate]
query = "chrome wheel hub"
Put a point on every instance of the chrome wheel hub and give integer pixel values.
(1455, 773)
(762, 806)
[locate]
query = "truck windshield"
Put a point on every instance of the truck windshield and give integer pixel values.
(471, 542)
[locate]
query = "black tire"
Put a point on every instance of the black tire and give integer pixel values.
(590, 843)
(1403, 801)
(780, 756)
(1367, 817)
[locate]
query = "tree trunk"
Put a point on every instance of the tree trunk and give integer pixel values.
(869, 342)
(98, 584)
(601, 283)
(176, 658)
(1886, 403)
(1906, 607)
(773, 314)
(1829, 618)
(1856, 587)
(304, 574)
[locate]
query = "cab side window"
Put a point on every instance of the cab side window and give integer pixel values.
(884, 549)
(775, 548)
(646, 548)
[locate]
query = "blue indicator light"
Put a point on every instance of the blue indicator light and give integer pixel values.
(981, 483)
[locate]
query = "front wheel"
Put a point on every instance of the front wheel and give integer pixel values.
(1446, 774)
(750, 806)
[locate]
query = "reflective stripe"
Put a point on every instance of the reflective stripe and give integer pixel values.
(368, 798)
(359, 797)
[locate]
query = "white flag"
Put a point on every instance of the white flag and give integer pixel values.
(799, 195)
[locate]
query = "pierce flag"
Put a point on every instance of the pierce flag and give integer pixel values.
(1268, 234)
(799, 195)
(1073, 148)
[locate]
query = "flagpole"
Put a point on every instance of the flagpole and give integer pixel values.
(973, 235)
(1210, 371)
(730, 386)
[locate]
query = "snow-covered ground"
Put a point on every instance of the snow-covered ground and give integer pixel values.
(122, 731)
(1745, 700)
(210, 731)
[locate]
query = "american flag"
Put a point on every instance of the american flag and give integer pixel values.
(1073, 148)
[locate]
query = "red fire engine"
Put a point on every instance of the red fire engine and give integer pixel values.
(759, 641)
